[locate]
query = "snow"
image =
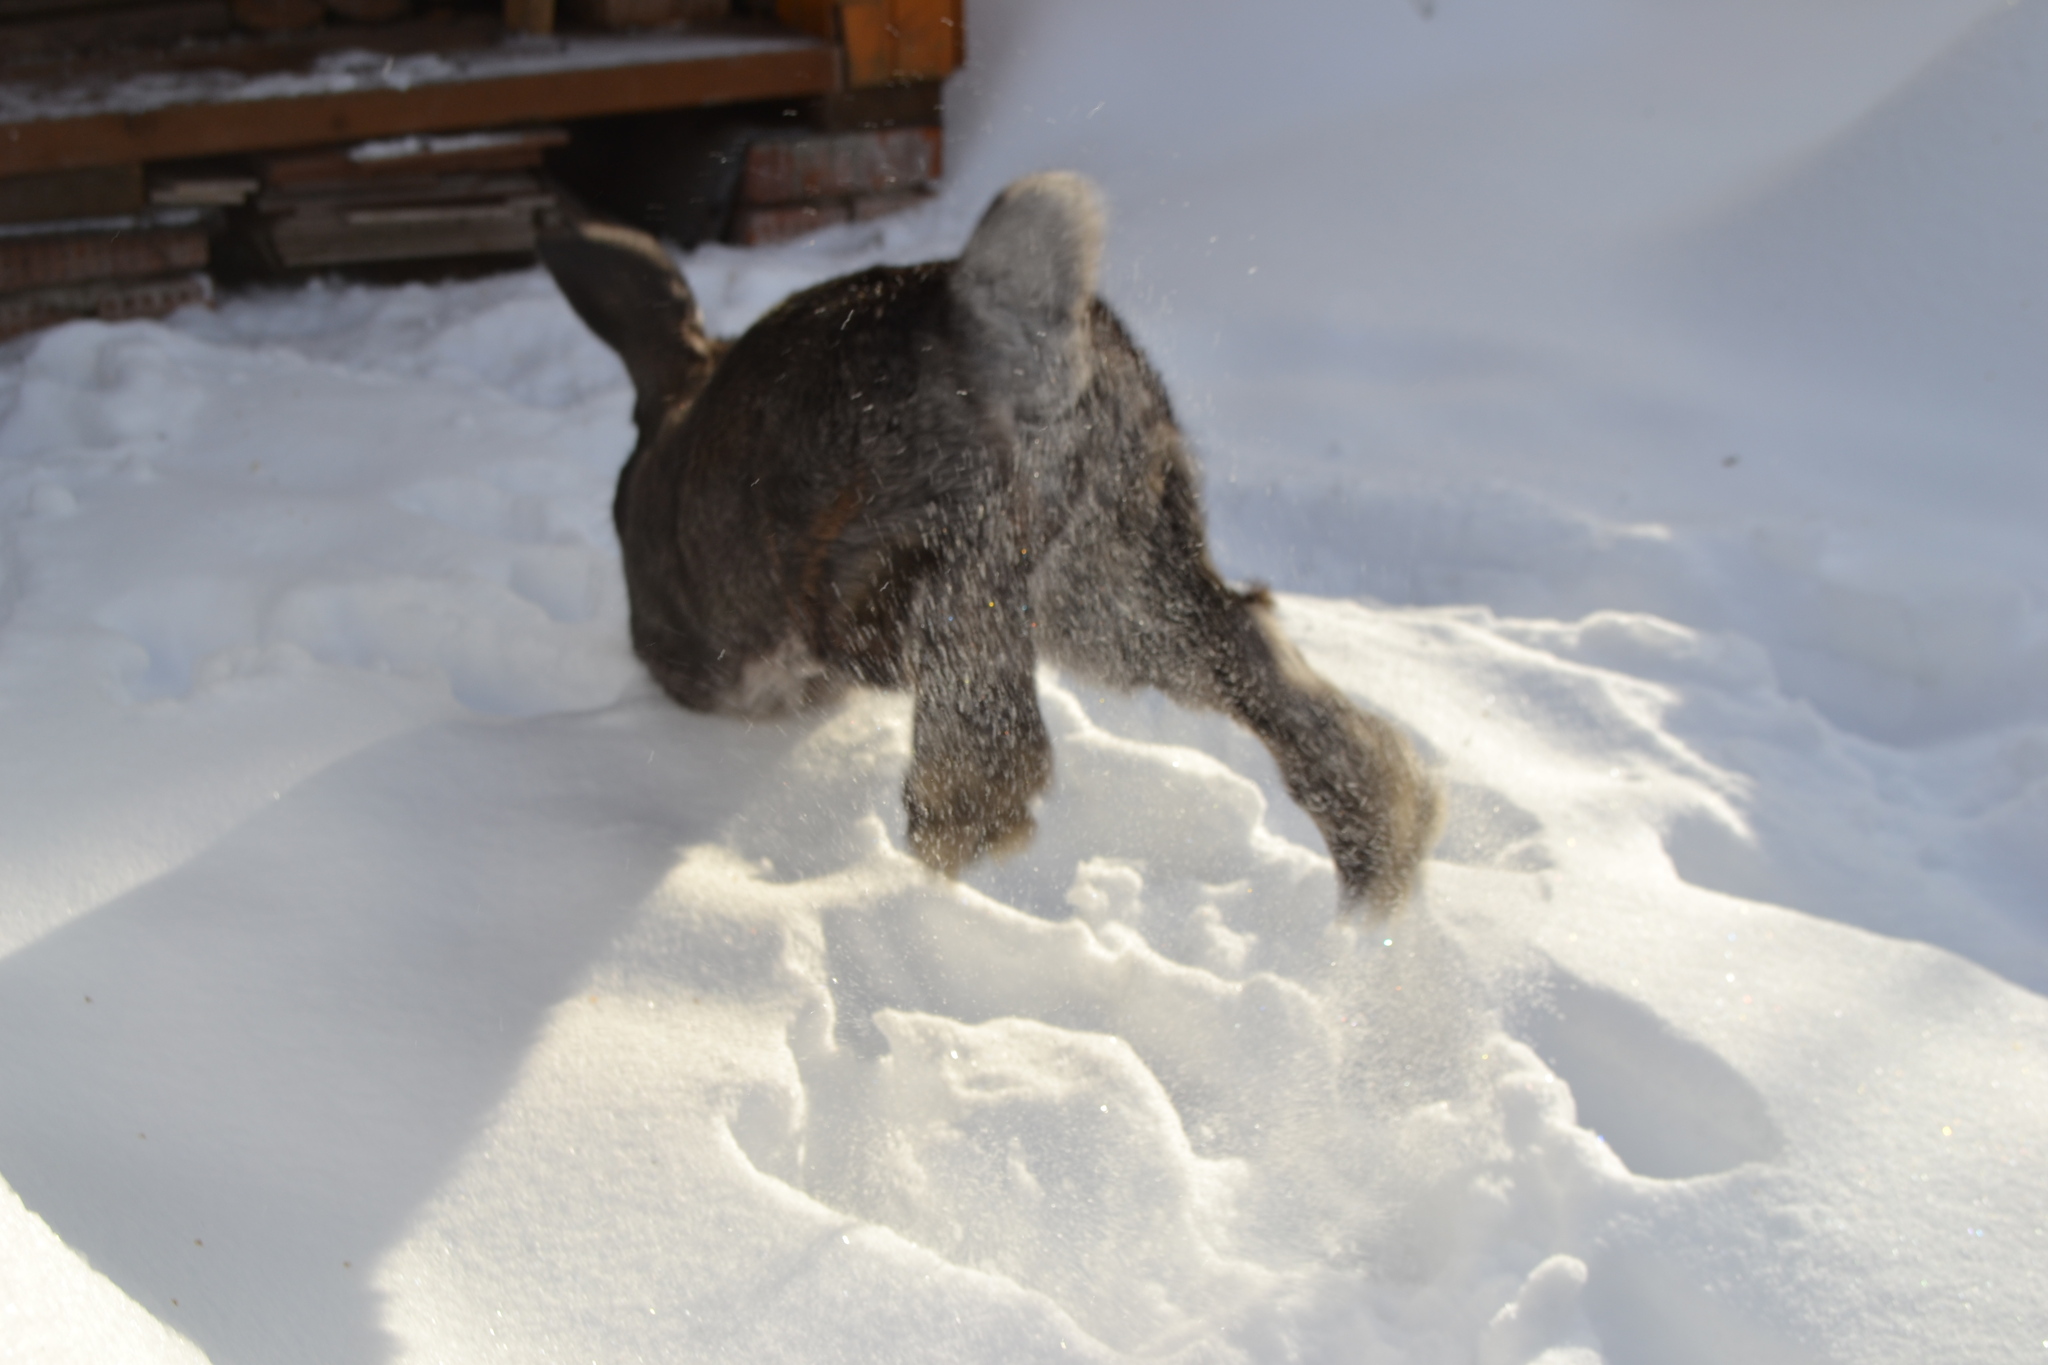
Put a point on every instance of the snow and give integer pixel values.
(1634, 405)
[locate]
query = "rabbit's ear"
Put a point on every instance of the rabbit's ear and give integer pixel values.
(625, 288)
(1026, 282)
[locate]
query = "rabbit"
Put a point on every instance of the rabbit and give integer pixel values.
(932, 477)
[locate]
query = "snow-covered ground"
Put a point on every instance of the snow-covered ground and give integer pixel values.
(1643, 405)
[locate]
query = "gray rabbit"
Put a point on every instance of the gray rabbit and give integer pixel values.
(931, 477)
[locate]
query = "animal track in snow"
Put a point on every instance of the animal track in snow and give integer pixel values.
(1130, 1081)
(1668, 1106)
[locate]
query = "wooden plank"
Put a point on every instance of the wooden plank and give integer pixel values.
(308, 120)
(625, 14)
(11, 10)
(930, 39)
(899, 40)
(197, 189)
(897, 105)
(47, 259)
(815, 17)
(279, 16)
(309, 240)
(530, 16)
(370, 11)
(89, 192)
(141, 25)
(521, 148)
(397, 190)
(870, 42)
(273, 53)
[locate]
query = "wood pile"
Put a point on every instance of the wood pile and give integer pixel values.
(405, 198)
(79, 244)
(114, 212)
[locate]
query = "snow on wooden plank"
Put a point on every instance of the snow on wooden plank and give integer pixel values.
(348, 96)
(414, 154)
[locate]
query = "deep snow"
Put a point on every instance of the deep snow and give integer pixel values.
(1649, 401)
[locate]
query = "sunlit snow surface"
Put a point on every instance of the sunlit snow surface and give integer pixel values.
(389, 973)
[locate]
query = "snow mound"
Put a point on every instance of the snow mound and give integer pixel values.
(54, 1310)
(1905, 251)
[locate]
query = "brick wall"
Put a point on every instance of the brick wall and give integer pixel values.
(793, 185)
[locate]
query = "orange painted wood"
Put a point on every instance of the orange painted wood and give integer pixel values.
(885, 40)
(870, 42)
(309, 120)
(928, 36)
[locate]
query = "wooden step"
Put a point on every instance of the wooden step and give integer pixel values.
(401, 218)
(59, 123)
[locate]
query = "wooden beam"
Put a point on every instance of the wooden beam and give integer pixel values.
(309, 120)
(885, 40)
(899, 40)
(819, 18)
(160, 25)
(530, 16)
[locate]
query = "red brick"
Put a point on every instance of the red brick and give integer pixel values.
(111, 300)
(790, 170)
(40, 261)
